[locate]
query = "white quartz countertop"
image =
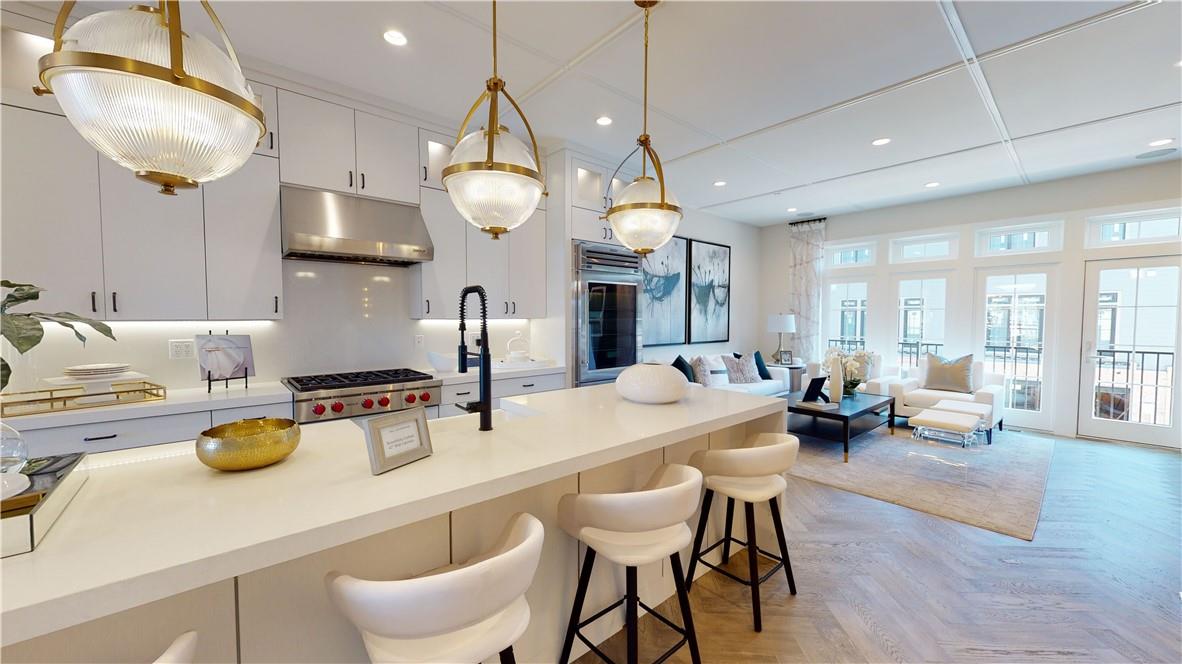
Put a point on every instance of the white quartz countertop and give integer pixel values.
(154, 522)
(188, 400)
(473, 375)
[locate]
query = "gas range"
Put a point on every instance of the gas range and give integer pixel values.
(350, 394)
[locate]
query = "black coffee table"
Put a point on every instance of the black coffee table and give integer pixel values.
(862, 409)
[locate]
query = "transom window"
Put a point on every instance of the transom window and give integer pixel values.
(850, 255)
(928, 248)
(1029, 238)
(1135, 228)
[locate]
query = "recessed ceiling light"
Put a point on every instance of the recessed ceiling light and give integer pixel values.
(395, 37)
(1160, 142)
(880, 141)
(792, 209)
(932, 185)
(603, 121)
(720, 183)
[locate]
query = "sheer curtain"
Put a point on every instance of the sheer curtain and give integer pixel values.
(806, 258)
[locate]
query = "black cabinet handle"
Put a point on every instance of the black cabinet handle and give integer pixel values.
(271, 140)
(605, 202)
(428, 306)
(515, 307)
(611, 235)
(424, 174)
(463, 394)
(506, 308)
(363, 180)
(527, 384)
(93, 301)
(91, 439)
(115, 301)
(350, 179)
(276, 304)
(260, 417)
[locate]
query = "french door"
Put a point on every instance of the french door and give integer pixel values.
(1128, 372)
(1013, 326)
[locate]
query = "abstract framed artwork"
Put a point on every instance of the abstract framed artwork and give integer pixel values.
(663, 294)
(709, 292)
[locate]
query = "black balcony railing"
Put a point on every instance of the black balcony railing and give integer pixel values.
(848, 345)
(1015, 361)
(911, 351)
(1134, 385)
(1140, 367)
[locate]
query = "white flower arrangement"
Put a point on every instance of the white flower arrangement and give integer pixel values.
(854, 366)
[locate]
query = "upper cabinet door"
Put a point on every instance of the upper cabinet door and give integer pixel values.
(443, 278)
(244, 257)
(153, 249)
(527, 268)
(269, 145)
(488, 266)
(51, 232)
(589, 225)
(588, 186)
(387, 159)
(318, 144)
(434, 153)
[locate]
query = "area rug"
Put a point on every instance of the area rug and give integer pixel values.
(997, 487)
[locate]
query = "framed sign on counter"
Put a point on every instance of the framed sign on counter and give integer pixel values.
(396, 439)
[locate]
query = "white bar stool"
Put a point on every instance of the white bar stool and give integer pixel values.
(751, 474)
(459, 613)
(181, 651)
(633, 529)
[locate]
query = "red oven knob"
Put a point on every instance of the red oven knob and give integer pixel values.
(368, 403)
(425, 396)
(384, 401)
(318, 409)
(337, 407)
(410, 398)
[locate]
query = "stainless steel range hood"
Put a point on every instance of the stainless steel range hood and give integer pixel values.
(326, 226)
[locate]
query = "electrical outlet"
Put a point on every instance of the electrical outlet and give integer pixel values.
(181, 349)
(418, 341)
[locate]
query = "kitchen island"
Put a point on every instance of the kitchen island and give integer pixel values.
(156, 543)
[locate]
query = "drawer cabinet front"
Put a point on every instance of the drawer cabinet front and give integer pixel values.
(118, 435)
(282, 410)
(508, 387)
(462, 392)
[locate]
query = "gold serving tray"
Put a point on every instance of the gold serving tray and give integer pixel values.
(75, 397)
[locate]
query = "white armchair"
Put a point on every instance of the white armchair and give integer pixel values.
(911, 397)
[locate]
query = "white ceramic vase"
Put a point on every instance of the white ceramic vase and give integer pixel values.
(836, 380)
(652, 383)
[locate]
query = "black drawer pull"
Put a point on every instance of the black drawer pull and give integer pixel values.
(93, 302)
(527, 384)
(463, 394)
(363, 180)
(115, 301)
(260, 417)
(271, 140)
(424, 174)
(276, 304)
(91, 439)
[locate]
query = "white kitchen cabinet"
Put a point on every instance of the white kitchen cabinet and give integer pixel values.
(224, 415)
(488, 266)
(436, 285)
(115, 435)
(269, 144)
(243, 248)
(587, 225)
(318, 143)
(589, 185)
(387, 159)
(52, 236)
(527, 268)
(153, 249)
(434, 153)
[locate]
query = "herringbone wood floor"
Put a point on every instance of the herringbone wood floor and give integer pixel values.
(882, 583)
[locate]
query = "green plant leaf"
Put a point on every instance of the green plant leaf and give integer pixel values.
(5, 373)
(4, 283)
(20, 293)
(21, 331)
(62, 317)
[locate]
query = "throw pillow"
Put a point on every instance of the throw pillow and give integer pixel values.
(741, 369)
(761, 367)
(712, 371)
(683, 365)
(701, 371)
(949, 375)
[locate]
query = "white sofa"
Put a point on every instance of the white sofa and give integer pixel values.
(779, 383)
(911, 398)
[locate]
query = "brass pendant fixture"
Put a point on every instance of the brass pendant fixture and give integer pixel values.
(169, 106)
(493, 179)
(645, 215)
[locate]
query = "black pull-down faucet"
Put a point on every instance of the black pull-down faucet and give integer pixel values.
(484, 404)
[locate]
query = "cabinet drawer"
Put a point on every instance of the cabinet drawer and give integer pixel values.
(224, 415)
(460, 392)
(122, 434)
(507, 387)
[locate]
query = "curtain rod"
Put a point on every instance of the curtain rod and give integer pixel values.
(807, 221)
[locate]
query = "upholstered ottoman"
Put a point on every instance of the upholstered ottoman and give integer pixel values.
(982, 410)
(945, 425)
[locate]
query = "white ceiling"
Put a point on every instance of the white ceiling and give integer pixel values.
(779, 99)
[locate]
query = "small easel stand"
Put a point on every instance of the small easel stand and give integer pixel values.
(209, 376)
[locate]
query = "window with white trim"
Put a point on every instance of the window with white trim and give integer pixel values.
(1022, 239)
(849, 255)
(925, 248)
(845, 320)
(1135, 228)
(921, 319)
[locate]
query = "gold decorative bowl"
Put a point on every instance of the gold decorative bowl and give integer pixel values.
(248, 444)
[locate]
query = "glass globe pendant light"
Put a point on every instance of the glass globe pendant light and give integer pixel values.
(170, 106)
(644, 216)
(493, 179)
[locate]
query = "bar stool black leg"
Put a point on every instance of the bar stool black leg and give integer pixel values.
(753, 565)
(687, 619)
(577, 609)
(779, 524)
(694, 554)
(632, 616)
(730, 520)
(507, 656)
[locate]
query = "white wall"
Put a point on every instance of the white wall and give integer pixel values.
(1071, 200)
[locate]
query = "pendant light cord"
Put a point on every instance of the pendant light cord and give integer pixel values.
(494, 37)
(644, 128)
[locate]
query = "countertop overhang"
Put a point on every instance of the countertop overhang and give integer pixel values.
(154, 522)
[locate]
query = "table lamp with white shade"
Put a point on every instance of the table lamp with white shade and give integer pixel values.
(782, 324)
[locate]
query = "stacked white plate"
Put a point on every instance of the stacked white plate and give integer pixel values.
(84, 371)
